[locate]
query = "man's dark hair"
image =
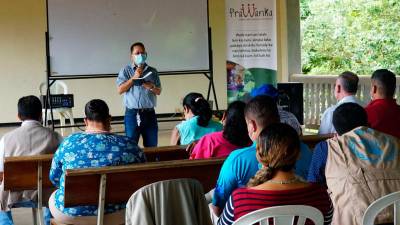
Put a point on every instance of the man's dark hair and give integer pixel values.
(29, 108)
(349, 81)
(348, 116)
(235, 129)
(386, 82)
(97, 110)
(137, 44)
(263, 110)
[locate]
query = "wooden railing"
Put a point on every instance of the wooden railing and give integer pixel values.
(318, 94)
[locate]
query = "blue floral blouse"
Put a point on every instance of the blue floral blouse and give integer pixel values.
(85, 150)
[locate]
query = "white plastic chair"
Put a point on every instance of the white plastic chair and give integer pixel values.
(58, 87)
(282, 215)
(380, 204)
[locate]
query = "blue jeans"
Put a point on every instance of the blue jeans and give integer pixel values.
(6, 217)
(148, 127)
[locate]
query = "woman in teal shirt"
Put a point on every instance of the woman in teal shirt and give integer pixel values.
(197, 122)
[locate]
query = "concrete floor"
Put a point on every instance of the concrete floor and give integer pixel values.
(23, 216)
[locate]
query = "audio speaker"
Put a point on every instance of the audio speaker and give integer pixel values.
(291, 99)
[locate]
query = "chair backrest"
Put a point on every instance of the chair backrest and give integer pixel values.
(178, 201)
(283, 215)
(82, 185)
(59, 87)
(377, 206)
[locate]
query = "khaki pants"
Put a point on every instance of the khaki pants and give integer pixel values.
(115, 218)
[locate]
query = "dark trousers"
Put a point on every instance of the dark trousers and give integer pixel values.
(148, 127)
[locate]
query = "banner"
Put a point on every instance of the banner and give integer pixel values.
(251, 46)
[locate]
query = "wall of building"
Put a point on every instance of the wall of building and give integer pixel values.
(23, 64)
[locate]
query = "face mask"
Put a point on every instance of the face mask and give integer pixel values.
(140, 59)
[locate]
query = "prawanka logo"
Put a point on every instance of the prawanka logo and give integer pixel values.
(250, 12)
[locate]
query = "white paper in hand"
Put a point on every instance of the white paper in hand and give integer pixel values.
(147, 74)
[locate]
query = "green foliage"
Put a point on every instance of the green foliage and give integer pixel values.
(356, 35)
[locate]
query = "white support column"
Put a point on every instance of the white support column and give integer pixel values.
(40, 194)
(282, 52)
(102, 195)
(396, 213)
(34, 215)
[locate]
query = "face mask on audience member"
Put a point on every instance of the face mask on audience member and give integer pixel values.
(140, 59)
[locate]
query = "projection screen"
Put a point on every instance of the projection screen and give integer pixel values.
(92, 37)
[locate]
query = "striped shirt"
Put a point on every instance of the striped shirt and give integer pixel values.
(245, 200)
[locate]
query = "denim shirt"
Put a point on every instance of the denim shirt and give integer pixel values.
(138, 97)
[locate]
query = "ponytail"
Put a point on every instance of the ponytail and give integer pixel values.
(203, 111)
(199, 107)
(278, 147)
(264, 174)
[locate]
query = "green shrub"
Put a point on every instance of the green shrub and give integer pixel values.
(356, 35)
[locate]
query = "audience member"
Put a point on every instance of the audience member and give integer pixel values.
(96, 147)
(383, 112)
(242, 164)
(198, 122)
(278, 148)
(289, 118)
(31, 138)
(345, 90)
(233, 136)
(346, 117)
(361, 165)
(285, 116)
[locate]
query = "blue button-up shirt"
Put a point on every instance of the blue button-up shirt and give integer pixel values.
(138, 97)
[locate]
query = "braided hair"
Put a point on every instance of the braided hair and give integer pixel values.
(278, 148)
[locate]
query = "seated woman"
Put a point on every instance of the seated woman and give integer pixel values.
(233, 136)
(197, 122)
(275, 184)
(96, 147)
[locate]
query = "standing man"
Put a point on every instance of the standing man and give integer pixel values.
(345, 91)
(140, 85)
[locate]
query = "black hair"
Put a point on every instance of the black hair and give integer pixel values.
(29, 108)
(386, 81)
(349, 81)
(235, 129)
(348, 116)
(278, 148)
(140, 44)
(97, 110)
(199, 107)
(263, 110)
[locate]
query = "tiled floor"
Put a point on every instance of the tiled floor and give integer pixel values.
(23, 216)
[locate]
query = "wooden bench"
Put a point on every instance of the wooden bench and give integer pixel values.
(32, 172)
(166, 153)
(29, 173)
(312, 140)
(98, 186)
